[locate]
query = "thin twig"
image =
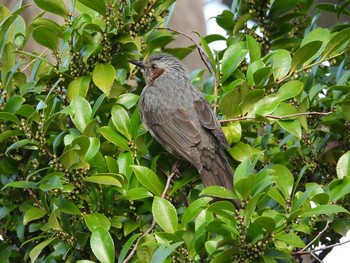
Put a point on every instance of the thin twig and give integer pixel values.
(204, 58)
(306, 252)
(278, 117)
(315, 257)
(317, 237)
(153, 225)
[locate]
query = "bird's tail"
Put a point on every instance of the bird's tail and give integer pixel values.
(216, 169)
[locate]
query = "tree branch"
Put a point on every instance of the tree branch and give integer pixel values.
(204, 58)
(153, 225)
(306, 252)
(317, 237)
(278, 117)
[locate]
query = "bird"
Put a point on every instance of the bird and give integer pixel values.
(179, 117)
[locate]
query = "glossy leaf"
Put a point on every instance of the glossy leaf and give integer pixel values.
(165, 214)
(148, 179)
(97, 5)
(103, 76)
(232, 57)
(112, 136)
(103, 179)
(336, 42)
(304, 53)
(163, 252)
(81, 112)
(284, 179)
(343, 166)
(193, 209)
(53, 6)
(38, 249)
(121, 120)
(281, 63)
(79, 86)
(102, 245)
(46, 36)
(96, 220)
(325, 209)
(33, 214)
(218, 191)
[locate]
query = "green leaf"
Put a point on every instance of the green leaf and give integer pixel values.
(81, 112)
(112, 136)
(194, 209)
(91, 152)
(252, 68)
(125, 160)
(128, 99)
(102, 245)
(78, 86)
(164, 251)
(250, 99)
(241, 152)
(324, 210)
(339, 188)
(96, 220)
(165, 214)
(13, 104)
(284, 179)
(46, 36)
(25, 143)
(97, 5)
(289, 90)
(275, 195)
(245, 186)
(137, 194)
(304, 53)
(53, 6)
(103, 179)
(103, 76)
(33, 214)
(232, 57)
(218, 191)
(67, 206)
(35, 252)
(233, 132)
(336, 42)
(343, 166)
(127, 245)
(253, 48)
(291, 239)
(266, 222)
(21, 184)
(121, 120)
(281, 63)
(9, 117)
(148, 179)
(53, 183)
(318, 34)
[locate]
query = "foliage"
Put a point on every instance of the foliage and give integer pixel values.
(82, 180)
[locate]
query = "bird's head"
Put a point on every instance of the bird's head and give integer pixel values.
(161, 64)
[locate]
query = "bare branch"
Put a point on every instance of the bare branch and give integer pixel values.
(278, 117)
(317, 237)
(306, 252)
(153, 225)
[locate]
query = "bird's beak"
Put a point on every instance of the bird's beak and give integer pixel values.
(138, 63)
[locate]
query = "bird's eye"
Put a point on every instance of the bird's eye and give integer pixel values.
(154, 66)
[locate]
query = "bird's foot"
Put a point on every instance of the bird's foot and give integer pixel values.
(175, 169)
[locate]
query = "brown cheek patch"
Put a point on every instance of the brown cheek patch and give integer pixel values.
(156, 73)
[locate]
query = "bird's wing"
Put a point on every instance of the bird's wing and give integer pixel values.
(208, 119)
(176, 132)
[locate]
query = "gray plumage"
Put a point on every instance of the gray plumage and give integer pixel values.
(182, 120)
